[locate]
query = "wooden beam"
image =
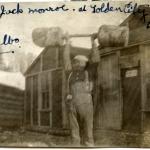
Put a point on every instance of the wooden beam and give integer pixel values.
(82, 35)
(44, 71)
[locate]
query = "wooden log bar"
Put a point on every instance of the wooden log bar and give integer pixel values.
(82, 35)
(79, 35)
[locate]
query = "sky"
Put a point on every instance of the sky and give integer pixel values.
(21, 26)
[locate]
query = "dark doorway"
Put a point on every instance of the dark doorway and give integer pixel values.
(131, 91)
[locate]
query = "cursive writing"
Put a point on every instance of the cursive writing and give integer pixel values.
(127, 8)
(48, 9)
(8, 40)
(106, 7)
(4, 11)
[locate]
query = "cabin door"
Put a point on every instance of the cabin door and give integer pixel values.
(131, 91)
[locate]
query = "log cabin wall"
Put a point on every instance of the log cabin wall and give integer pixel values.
(11, 106)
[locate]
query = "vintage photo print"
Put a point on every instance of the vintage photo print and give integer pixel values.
(75, 74)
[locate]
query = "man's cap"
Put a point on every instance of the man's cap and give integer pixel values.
(81, 58)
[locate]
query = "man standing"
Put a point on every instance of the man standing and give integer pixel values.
(79, 100)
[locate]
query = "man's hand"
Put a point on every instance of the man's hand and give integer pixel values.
(93, 37)
(69, 97)
(67, 37)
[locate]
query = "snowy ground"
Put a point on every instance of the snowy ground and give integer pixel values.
(21, 138)
(31, 139)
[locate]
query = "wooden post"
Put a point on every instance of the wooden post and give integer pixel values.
(25, 98)
(31, 115)
(120, 90)
(50, 97)
(143, 85)
(57, 57)
(39, 99)
(64, 109)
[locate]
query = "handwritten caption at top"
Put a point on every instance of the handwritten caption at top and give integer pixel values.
(106, 7)
(129, 7)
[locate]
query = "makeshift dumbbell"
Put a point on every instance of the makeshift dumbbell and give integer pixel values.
(52, 36)
(107, 35)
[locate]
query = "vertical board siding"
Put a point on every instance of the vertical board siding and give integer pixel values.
(57, 99)
(50, 58)
(36, 67)
(35, 100)
(145, 71)
(50, 97)
(145, 79)
(28, 100)
(109, 105)
(65, 118)
(45, 99)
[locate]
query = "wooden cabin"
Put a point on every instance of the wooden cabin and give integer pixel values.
(123, 88)
(45, 89)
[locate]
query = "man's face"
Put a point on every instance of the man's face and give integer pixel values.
(78, 65)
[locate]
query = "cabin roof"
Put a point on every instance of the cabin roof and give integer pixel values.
(137, 17)
(73, 50)
(138, 31)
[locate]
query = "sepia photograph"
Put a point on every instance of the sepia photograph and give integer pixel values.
(75, 74)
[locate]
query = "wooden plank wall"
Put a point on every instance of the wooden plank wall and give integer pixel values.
(145, 79)
(57, 99)
(145, 70)
(109, 99)
(134, 35)
(11, 106)
(27, 107)
(37, 114)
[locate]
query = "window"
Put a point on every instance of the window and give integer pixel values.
(45, 91)
(45, 99)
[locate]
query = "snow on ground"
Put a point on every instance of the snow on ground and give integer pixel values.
(31, 139)
(13, 79)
